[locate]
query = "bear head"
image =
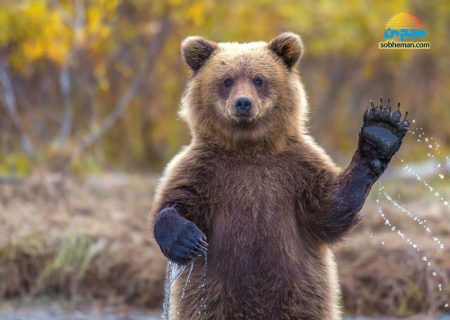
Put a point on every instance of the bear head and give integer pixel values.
(244, 93)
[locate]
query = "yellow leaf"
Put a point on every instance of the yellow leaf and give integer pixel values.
(196, 13)
(33, 50)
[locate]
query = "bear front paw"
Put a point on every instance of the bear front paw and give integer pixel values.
(179, 239)
(382, 134)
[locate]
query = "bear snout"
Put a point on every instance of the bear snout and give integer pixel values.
(243, 107)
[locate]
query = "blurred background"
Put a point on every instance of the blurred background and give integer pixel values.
(89, 94)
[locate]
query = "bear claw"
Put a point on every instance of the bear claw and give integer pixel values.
(379, 115)
(179, 239)
(382, 132)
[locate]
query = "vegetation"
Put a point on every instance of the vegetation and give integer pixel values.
(81, 241)
(89, 86)
(88, 241)
(93, 84)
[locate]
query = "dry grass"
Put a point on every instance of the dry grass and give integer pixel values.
(90, 240)
(84, 240)
(381, 274)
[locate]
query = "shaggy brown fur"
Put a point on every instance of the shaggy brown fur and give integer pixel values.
(268, 199)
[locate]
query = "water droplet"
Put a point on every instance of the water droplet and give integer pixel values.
(188, 280)
(173, 273)
(408, 213)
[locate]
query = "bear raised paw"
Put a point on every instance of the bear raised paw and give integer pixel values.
(382, 134)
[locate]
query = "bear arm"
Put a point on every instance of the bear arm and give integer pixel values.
(176, 227)
(335, 200)
(181, 197)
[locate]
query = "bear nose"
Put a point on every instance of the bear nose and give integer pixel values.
(243, 106)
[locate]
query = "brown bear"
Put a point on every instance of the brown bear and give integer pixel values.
(255, 193)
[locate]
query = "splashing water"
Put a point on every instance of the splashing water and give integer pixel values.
(432, 145)
(188, 280)
(174, 271)
(407, 212)
(203, 285)
(400, 234)
(433, 150)
(444, 201)
(390, 225)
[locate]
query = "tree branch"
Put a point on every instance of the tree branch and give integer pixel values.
(124, 101)
(11, 107)
(77, 25)
(66, 123)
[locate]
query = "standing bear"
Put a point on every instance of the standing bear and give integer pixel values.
(254, 194)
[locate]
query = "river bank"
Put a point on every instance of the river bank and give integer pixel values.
(90, 239)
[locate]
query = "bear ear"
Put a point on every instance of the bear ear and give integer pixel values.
(196, 50)
(288, 46)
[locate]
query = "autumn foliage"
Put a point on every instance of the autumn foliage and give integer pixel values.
(93, 84)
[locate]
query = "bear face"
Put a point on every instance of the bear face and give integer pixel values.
(243, 92)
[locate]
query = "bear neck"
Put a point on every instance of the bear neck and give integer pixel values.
(272, 143)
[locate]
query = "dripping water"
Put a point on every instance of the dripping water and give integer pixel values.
(188, 280)
(436, 194)
(419, 221)
(433, 151)
(174, 271)
(425, 259)
(202, 285)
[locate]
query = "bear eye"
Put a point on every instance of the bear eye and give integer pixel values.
(228, 82)
(258, 81)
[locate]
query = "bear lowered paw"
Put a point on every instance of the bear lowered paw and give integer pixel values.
(179, 239)
(382, 134)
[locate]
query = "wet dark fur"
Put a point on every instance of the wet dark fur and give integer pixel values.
(268, 200)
